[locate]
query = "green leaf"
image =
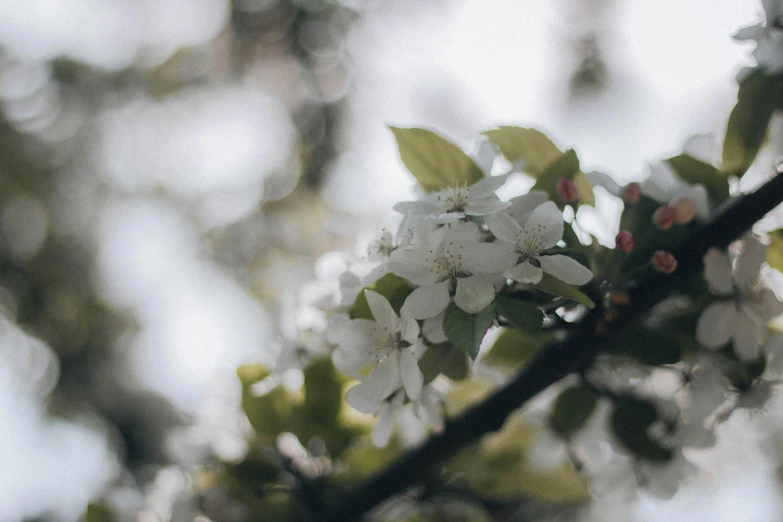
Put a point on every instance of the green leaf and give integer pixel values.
(323, 391)
(513, 347)
(444, 358)
(498, 468)
(693, 171)
(631, 420)
(530, 145)
(572, 409)
(271, 412)
(98, 513)
(758, 96)
(566, 166)
(554, 286)
(467, 330)
(523, 315)
(392, 287)
(775, 250)
(434, 161)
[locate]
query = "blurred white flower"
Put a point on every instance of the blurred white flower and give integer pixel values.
(543, 229)
(664, 186)
(742, 317)
(415, 419)
(768, 37)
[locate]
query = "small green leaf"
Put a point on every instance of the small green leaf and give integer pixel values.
(268, 413)
(631, 420)
(434, 161)
(443, 358)
(98, 513)
(566, 166)
(523, 315)
(693, 171)
(392, 287)
(323, 391)
(554, 286)
(572, 409)
(530, 145)
(758, 97)
(775, 250)
(513, 347)
(467, 330)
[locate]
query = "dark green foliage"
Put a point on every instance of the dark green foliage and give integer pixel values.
(631, 420)
(572, 409)
(467, 330)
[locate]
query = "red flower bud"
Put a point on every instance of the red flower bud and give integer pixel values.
(631, 192)
(664, 217)
(624, 240)
(567, 191)
(685, 208)
(663, 261)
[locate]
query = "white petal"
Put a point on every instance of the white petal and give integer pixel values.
(360, 397)
(485, 206)
(525, 272)
(746, 337)
(488, 258)
(699, 196)
(354, 335)
(433, 329)
(427, 301)
(474, 293)
(522, 206)
(662, 183)
(545, 225)
(605, 181)
(566, 269)
(716, 324)
(384, 427)
(485, 157)
(458, 235)
(748, 264)
(419, 208)
(487, 186)
(385, 378)
(382, 311)
(412, 378)
(503, 227)
(717, 271)
(375, 274)
(703, 147)
(409, 328)
(765, 305)
(351, 362)
(413, 265)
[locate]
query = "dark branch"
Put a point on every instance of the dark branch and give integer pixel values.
(559, 360)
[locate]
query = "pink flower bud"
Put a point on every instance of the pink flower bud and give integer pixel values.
(685, 208)
(664, 217)
(663, 261)
(631, 193)
(624, 240)
(567, 191)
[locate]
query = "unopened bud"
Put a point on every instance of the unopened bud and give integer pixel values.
(567, 190)
(663, 261)
(664, 217)
(631, 192)
(685, 208)
(624, 240)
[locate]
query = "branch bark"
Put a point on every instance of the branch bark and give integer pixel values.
(573, 354)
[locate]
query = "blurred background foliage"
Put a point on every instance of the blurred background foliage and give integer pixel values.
(171, 170)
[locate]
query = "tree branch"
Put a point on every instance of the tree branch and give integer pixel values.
(559, 360)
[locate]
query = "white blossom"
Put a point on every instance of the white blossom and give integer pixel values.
(453, 256)
(390, 343)
(664, 186)
(542, 229)
(459, 200)
(747, 305)
(768, 37)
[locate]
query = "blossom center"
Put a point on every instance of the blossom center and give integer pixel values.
(454, 198)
